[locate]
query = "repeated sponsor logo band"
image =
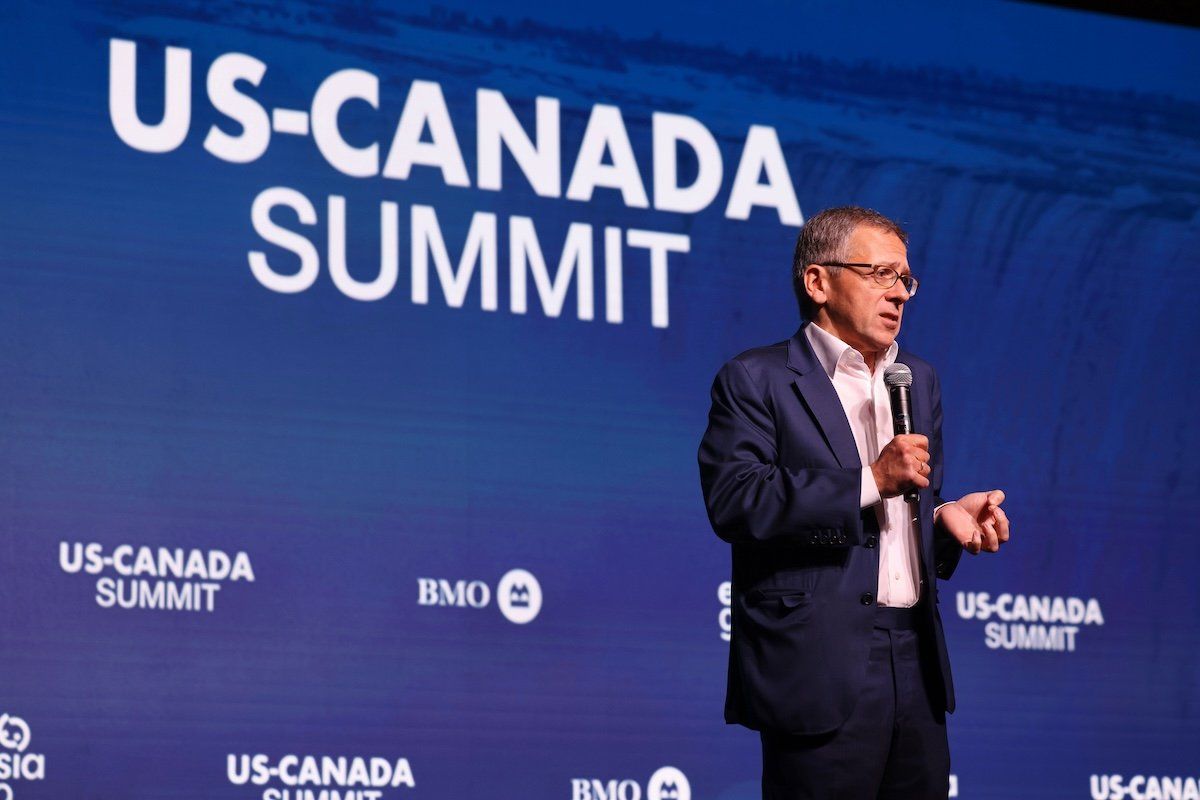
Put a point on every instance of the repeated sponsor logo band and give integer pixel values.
(155, 578)
(308, 777)
(1029, 622)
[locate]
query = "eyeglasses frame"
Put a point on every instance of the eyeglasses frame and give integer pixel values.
(910, 282)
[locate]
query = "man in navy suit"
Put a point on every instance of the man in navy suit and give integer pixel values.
(837, 654)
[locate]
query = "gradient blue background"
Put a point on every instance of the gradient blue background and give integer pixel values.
(1046, 163)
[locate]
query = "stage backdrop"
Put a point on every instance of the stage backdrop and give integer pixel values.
(356, 356)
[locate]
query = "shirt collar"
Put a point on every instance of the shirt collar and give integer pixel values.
(832, 351)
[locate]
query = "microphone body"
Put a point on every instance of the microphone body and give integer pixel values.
(898, 379)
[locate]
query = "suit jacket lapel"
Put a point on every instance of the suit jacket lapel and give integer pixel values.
(922, 425)
(818, 394)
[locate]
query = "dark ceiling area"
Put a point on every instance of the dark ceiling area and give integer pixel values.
(1173, 12)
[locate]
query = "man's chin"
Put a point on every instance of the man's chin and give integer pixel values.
(884, 341)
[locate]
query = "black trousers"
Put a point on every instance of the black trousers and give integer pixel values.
(893, 746)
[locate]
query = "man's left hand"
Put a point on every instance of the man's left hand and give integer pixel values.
(976, 521)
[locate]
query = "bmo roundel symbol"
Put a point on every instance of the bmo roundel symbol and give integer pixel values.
(519, 596)
(668, 783)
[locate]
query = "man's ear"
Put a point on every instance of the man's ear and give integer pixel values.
(816, 283)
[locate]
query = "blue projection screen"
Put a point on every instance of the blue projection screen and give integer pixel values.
(356, 356)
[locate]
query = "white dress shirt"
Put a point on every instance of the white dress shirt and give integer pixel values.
(865, 400)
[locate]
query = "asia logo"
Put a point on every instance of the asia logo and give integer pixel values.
(1029, 622)
(667, 783)
(16, 764)
(320, 777)
(1143, 787)
(156, 578)
(518, 594)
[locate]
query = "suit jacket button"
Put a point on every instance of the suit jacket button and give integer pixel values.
(870, 541)
(867, 599)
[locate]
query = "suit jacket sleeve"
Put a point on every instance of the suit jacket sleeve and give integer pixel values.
(748, 495)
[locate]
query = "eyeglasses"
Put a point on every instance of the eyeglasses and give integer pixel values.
(883, 276)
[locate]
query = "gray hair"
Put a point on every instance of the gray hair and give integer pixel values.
(824, 238)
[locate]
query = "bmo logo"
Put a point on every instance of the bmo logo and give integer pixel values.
(518, 594)
(667, 783)
(461, 594)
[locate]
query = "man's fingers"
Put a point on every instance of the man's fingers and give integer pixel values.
(903, 464)
(1001, 523)
(990, 541)
(995, 497)
(917, 474)
(958, 524)
(913, 440)
(915, 471)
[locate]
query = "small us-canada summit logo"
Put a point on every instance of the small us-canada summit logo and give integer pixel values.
(1145, 787)
(16, 763)
(518, 594)
(311, 777)
(667, 783)
(155, 578)
(1029, 622)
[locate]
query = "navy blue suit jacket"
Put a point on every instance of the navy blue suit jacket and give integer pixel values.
(781, 479)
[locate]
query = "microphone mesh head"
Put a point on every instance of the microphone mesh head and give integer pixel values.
(897, 375)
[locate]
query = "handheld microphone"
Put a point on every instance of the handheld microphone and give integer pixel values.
(898, 379)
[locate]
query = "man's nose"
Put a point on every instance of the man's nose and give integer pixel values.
(897, 294)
